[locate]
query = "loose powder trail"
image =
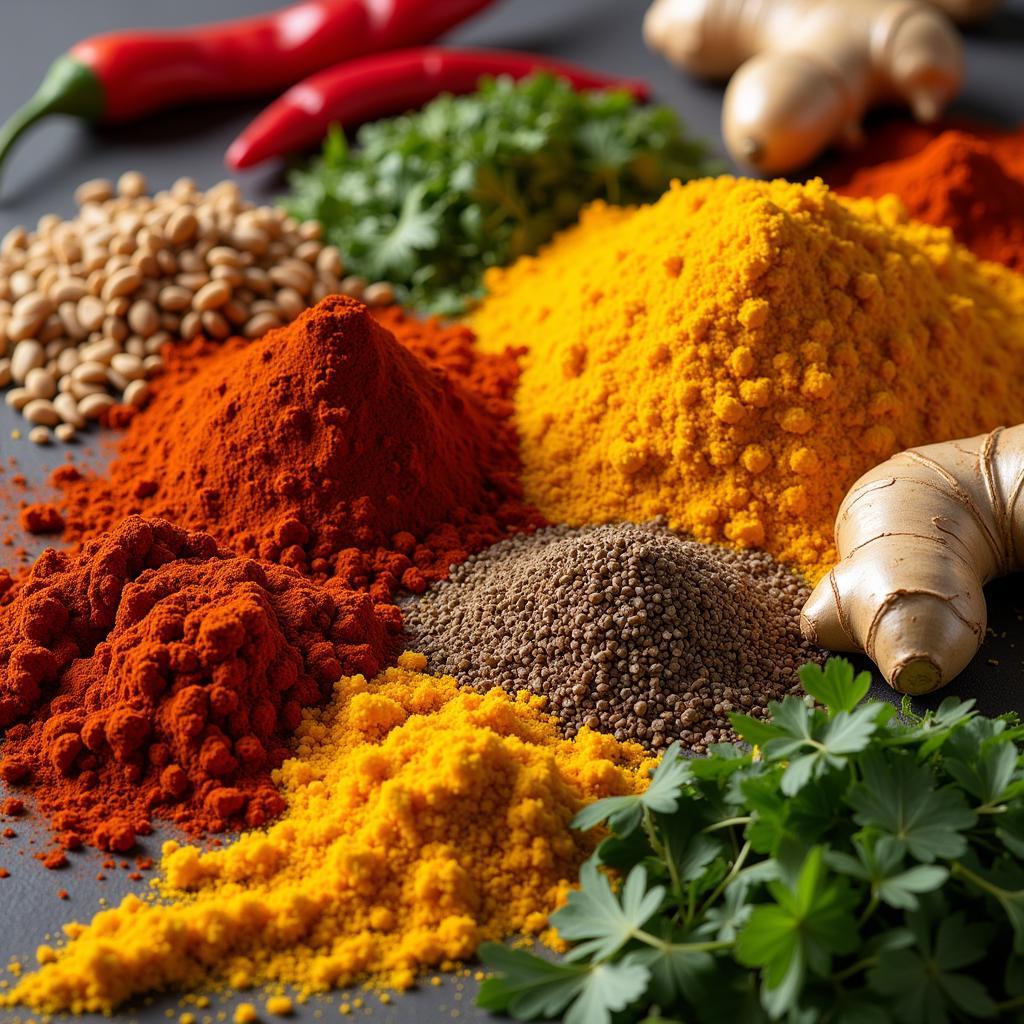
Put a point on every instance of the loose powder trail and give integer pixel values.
(422, 820)
(166, 678)
(734, 356)
(329, 446)
(632, 630)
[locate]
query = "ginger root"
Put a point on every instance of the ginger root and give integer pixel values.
(918, 537)
(805, 71)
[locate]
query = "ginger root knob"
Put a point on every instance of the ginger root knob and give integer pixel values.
(805, 71)
(918, 539)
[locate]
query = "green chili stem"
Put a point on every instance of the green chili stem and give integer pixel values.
(70, 87)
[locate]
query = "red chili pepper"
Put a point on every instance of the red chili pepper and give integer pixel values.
(390, 83)
(123, 75)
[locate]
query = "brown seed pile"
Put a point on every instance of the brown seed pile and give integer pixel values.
(629, 629)
(87, 304)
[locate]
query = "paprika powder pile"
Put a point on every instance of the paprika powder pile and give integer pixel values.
(330, 446)
(165, 677)
(968, 179)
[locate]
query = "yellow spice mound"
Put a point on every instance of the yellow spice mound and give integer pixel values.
(421, 821)
(735, 355)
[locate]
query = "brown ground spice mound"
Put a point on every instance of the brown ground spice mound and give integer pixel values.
(629, 629)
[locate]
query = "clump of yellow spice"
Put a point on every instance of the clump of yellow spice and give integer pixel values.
(736, 354)
(421, 821)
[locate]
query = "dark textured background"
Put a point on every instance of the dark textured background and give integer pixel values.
(58, 155)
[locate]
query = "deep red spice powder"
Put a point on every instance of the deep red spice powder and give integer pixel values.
(41, 517)
(164, 677)
(966, 178)
(378, 451)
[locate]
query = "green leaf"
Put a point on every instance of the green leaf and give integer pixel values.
(755, 731)
(835, 686)
(608, 988)
(1011, 830)
(677, 973)
(690, 851)
(806, 925)
(624, 852)
(1005, 883)
(934, 728)
(825, 743)
(898, 797)
(982, 758)
(416, 228)
(924, 983)
(624, 813)
(494, 174)
(724, 921)
(528, 986)
(594, 912)
(879, 862)
(531, 988)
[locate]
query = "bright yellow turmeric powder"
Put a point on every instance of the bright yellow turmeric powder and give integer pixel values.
(735, 355)
(421, 820)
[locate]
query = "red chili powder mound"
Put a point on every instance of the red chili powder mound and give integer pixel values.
(41, 517)
(165, 677)
(335, 446)
(968, 180)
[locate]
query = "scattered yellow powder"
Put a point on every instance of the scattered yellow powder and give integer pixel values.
(735, 355)
(421, 821)
(280, 1006)
(245, 1013)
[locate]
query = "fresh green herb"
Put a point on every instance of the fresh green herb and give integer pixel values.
(430, 200)
(853, 868)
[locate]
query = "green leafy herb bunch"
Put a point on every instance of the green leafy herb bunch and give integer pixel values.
(855, 867)
(431, 199)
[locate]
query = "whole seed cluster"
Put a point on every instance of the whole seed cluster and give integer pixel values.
(629, 629)
(87, 304)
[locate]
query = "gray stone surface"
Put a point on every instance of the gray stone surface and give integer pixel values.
(41, 176)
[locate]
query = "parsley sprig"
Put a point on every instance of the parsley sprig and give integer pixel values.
(430, 200)
(851, 866)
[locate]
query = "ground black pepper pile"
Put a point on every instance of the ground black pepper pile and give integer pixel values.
(630, 629)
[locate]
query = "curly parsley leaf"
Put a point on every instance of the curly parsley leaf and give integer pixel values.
(926, 984)
(899, 798)
(624, 813)
(494, 175)
(858, 870)
(835, 685)
(533, 988)
(802, 929)
(604, 919)
(881, 863)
